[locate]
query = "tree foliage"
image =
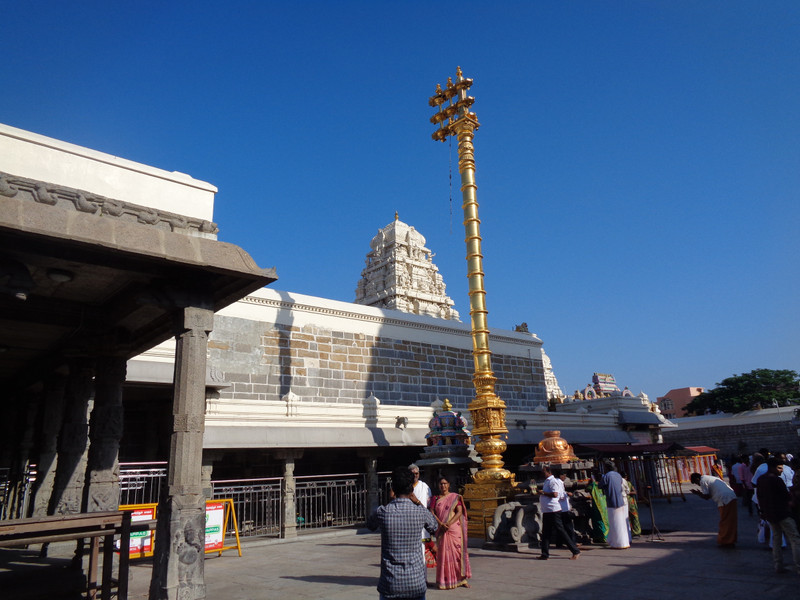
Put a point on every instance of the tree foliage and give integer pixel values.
(761, 388)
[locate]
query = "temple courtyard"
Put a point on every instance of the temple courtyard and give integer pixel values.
(344, 565)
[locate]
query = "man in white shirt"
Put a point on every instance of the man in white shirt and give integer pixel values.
(422, 493)
(550, 506)
(713, 488)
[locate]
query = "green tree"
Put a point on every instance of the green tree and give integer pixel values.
(762, 388)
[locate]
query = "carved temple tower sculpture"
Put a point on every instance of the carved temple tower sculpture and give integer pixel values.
(550, 381)
(400, 274)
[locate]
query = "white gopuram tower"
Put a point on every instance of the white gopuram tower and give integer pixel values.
(400, 274)
(550, 381)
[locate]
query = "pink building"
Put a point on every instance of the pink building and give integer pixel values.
(672, 403)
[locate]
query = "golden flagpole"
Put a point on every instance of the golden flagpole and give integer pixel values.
(487, 410)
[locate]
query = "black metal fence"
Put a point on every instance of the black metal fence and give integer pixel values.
(256, 502)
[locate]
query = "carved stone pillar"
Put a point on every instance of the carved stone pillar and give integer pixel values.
(54, 398)
(209, 458)
(289, 499)
(101, 491)
(205, 480)
(73, 441)
(370, 456)
(178, 572)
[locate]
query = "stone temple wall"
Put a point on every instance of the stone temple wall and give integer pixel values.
(265, 361)
(739, 438)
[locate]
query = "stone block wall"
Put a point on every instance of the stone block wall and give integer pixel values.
(265, 361)
(745, 438)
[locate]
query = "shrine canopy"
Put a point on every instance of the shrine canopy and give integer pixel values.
(613, 450)
(702, 449)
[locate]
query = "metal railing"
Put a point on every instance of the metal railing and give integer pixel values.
(331, 500)
(140, 483)
(15, 492)
(257, 502)
(321, 501)
(658, 473)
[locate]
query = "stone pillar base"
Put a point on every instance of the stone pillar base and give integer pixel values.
(482, 499)
(179, 552)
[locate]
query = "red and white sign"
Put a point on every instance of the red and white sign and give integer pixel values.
(215, 526)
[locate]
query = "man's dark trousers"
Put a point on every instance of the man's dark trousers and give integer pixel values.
(550, 521)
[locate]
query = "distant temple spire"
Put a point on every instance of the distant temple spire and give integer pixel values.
(400, 274)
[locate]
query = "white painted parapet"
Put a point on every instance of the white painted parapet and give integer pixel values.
(38, 157)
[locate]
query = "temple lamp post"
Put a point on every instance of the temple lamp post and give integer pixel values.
(488, 412)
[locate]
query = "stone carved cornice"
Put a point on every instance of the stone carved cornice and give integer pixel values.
(81, 201)
(333, 312)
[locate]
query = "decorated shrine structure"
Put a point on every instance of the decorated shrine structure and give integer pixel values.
(516, 525)
(449, 452)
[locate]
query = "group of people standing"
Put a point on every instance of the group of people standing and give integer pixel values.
(420, 529)
(614, 508)
(771, 483)
(448, 553)
(414, 509)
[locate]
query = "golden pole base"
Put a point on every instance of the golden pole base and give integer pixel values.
(482, 500)
(491, 449)
(492, 485)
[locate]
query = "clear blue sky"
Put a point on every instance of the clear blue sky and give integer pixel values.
(638, 163)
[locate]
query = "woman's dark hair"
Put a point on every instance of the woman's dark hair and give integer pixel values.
(402, 481)
(443, 478)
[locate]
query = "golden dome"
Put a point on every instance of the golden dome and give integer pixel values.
(554, 449)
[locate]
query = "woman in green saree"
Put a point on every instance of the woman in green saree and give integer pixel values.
(633, 507)
(599, 513)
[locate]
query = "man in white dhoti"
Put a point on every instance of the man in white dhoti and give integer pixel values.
(422, 493)
(612, 484)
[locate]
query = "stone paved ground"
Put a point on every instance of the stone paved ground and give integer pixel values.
(344, 565)
(686, 564)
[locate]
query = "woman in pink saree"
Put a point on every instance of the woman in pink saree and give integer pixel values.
(452, 561)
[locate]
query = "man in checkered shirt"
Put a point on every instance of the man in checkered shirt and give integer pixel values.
(400, 521)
